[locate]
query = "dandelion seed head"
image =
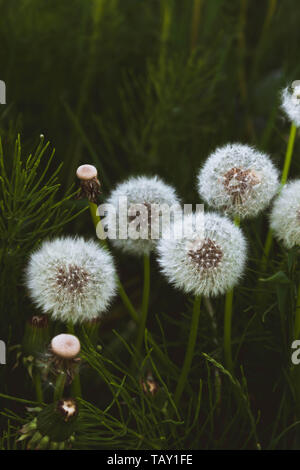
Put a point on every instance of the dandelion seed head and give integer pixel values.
(71, 279)
(290, 102)
(238, 180)
(207, 263)
(285, 215)
(144, 191)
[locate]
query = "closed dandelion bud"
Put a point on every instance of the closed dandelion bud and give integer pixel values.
(290, 102)
(238, 180)
(208, 262)
(54, 427)
(71, 279)
(36, 336)
(285, 215)
(89, 183)
(142, 196)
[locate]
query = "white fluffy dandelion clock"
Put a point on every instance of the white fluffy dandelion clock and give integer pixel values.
(207, 263)
(138, 231)
(71, 279)
(290, 102)
(238, 180)
(285, 215)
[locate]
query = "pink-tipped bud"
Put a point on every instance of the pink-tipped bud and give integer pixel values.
(86, 172)
(65, 346)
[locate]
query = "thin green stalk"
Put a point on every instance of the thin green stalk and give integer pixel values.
(289, 154)
(227, 330)
(228, 321)
(38, 387)
(297, 316)
(145, 303)
(195, 23)
(71, 328)
(285, 173)
(76, 386)
(97, 223)
(165, 32)
(124, 297)
(59, 387)
(127, 302)
(189, 352)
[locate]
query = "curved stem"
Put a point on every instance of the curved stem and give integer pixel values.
(190, 350)
(145, 303)
(285, 173)
(227, 330)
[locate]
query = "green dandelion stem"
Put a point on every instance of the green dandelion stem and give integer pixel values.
(228, 321)
(297, 316)
(59, 386)
(124, 297)
(289, 154)
(71, 328)
(196, 14)
(127, 302)
(227, 330)
(38, 387)
(190, 350)
(76, 386)
(285, 173)
(145, 303)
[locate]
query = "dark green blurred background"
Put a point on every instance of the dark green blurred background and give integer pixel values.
(147, 85)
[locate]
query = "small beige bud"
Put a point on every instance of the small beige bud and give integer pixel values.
(65, 346)
(86, 172)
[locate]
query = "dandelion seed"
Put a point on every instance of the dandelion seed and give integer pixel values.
(238, 180)
(290, 102)
(71, 279)
(143, 191)
(209, 263)
(285, 215)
